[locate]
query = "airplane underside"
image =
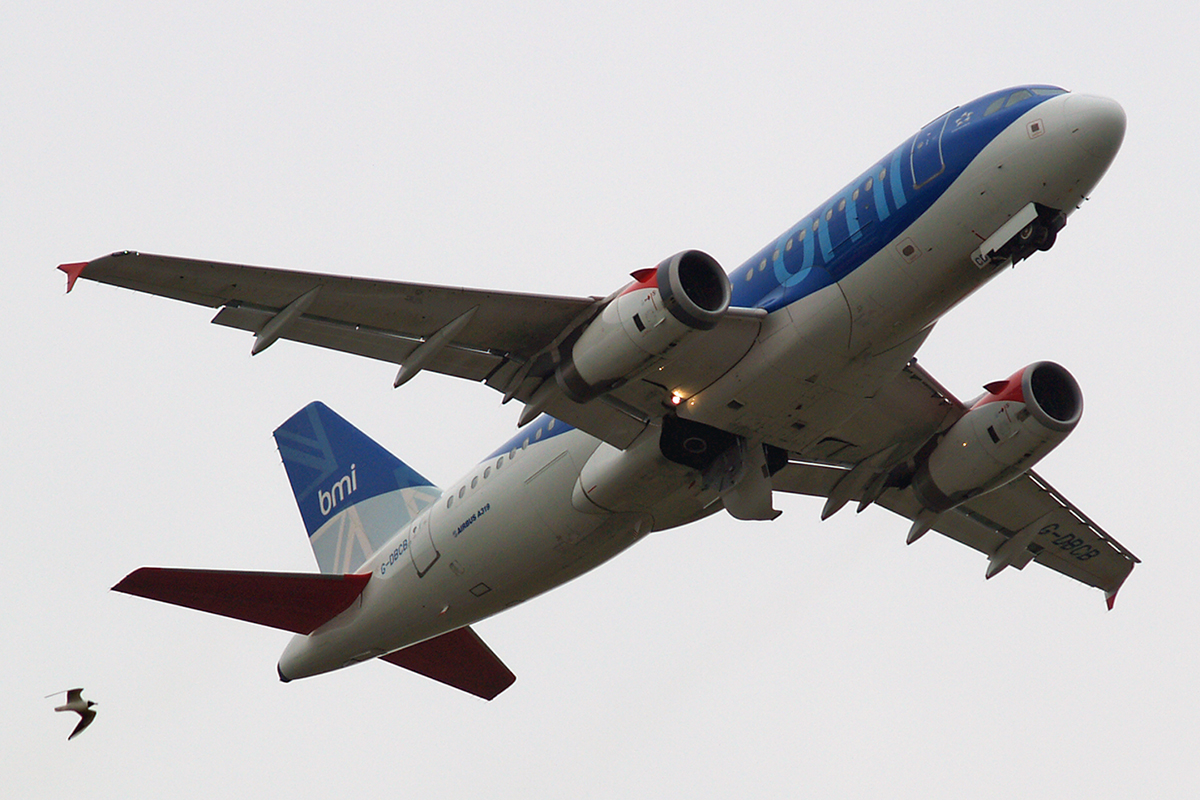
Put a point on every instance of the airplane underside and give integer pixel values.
(685, 392)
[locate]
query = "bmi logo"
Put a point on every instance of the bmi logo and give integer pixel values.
(338, 492)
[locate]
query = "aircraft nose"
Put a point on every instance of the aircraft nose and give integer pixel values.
(1097, 124)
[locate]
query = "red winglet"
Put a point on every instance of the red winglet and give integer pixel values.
(73, 272)
(1111, 597)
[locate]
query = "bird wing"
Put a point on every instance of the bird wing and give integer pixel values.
(85, 718)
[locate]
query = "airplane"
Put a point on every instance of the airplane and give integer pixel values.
(685, 391)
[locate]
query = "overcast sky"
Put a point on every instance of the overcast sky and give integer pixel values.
(541, 149)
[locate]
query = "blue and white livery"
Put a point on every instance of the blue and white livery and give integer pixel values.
(682, 393)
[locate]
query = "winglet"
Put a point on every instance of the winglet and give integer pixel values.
(1110, 595)
(73, 272)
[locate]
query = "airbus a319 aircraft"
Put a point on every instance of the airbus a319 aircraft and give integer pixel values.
(684, 392)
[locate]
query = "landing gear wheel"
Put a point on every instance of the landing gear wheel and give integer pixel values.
(1048, 242)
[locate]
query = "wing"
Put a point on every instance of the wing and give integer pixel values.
(1022, 521)
(85, 718)
(505, 339)
(383, 320)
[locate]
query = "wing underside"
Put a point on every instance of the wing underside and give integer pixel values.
(1023, 521)
(508, 340)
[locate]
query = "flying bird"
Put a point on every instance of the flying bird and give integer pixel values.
(83, 708)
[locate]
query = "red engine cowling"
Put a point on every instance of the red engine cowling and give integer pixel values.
(1006, 432)
(651, 316)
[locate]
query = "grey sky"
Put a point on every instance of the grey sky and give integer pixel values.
(555, 150)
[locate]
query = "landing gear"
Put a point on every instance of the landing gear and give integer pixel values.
(1038, 235)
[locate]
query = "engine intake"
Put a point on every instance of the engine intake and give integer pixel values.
(647, 319)
(694, 288)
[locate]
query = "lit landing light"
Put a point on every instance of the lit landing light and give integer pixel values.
(676, 398)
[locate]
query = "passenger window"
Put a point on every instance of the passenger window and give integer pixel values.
(461, 491)
(474, 481)
(486, 472)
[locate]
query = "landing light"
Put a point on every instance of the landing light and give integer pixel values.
(676, 398)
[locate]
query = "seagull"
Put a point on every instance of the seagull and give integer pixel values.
(83, 708)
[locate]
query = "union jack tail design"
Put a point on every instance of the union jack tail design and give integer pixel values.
(354, 495)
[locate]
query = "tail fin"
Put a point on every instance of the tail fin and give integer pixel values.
(353, 494)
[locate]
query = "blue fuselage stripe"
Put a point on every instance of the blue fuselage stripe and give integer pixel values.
(898, 198)
(881, 207)
(850, 236)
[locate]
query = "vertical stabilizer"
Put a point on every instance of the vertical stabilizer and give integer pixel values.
(353, 494)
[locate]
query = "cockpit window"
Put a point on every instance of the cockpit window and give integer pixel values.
(1018, 96)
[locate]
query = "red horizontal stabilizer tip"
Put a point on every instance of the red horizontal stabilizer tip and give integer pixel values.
(73, 272)
(292, 601)
(459, 659)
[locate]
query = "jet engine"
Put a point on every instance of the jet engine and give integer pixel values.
(1005, 432)
(647, 319)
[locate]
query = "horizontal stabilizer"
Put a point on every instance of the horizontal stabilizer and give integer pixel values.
(459, 659)
(291, 601)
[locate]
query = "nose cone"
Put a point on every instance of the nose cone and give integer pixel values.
(1097, 124)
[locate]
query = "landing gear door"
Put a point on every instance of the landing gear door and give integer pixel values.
(421, 548)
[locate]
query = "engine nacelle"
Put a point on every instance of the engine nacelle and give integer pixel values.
(688, 292)
(1005, 433)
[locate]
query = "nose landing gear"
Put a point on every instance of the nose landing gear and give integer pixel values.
(1038, 235)
(1035, 227)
